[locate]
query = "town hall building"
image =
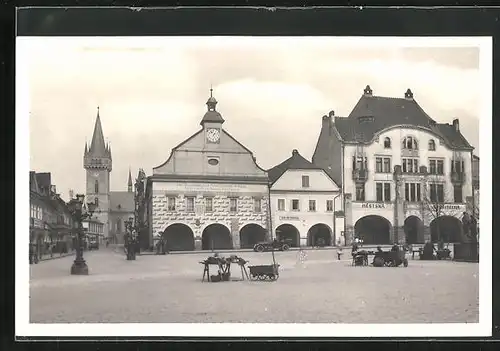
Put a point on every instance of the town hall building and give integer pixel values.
(404, 177)
(210, 193)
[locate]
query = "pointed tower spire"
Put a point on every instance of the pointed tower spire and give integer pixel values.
(97, 146)
(129, 180)
(86, 149)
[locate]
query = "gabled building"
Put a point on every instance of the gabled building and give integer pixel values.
(210, 193)
(306, 203)
(404, 176)
(113, 207)
(50, 218)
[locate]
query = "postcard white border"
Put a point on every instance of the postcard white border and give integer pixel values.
(22, 164)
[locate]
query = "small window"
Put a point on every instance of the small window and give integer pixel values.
(387, 192)
(360, 192)
(387, 143)
(410, 143)
(329, 205)
(432, 145)
(387, 165)
(457, 194)
(190, 204)
(209, 204)
(96, 186)
(305, 181)
(233, 205)
(96, 201)
(281, 204)
(213, 161)
(295, 205)
(171, 203)
(257, 205)
(312, 205)
(378, 164)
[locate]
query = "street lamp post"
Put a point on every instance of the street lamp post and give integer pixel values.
(79, 214)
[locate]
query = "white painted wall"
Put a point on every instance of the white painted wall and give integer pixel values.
(322, 188)
(397, 135)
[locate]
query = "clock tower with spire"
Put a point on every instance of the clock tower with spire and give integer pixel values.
(97, 162)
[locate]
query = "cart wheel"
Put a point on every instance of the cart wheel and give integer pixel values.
(259, 248)
(285, 247)
(405, 263)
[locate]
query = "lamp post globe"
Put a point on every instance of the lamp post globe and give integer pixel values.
(79, 214)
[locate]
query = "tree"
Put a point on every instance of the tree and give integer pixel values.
(435, 207)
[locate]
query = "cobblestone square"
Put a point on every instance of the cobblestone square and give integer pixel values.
(168, 289)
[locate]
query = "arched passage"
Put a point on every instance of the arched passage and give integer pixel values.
(217, 237)
(288, 233)
(251, 234)
(319, 235)
(179, 237)
(414, 230)
(447, 228)
(373, 230)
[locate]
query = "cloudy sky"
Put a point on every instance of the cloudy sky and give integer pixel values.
(271, 91)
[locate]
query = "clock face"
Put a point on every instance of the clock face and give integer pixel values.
(95, 174)
(213, 135)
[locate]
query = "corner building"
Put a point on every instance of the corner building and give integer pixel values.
(305, 203)
(404, 176)
(210, 193)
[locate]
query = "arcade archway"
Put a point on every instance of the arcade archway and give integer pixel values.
(179, 237)
(251, 234)
(287, 232)
(216, 237)
(414, 230)
(447, 228)
(319, 235)
(373, 230)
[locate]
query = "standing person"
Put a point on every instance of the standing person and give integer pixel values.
(339, 252)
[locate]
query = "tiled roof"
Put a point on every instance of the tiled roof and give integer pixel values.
(121, 201)
(212, 116)
(294, 162)
(372, 114)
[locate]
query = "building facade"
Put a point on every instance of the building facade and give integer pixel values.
(112, 207)
(210, 193)
(404, 176)
(306, 203)
(50, 219)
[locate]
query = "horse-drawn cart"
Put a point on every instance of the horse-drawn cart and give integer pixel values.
(264, 272)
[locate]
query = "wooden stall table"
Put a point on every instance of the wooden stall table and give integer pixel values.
(224, 267)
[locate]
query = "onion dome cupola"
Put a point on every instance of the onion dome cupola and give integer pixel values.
(212, 115)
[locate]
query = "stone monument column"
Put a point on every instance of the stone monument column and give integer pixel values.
(399, 213)
(348, 223)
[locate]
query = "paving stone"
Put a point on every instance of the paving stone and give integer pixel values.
(321, 289)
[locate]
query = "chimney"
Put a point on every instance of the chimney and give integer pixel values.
(295, 152)
(409, 95)
(456, 125)
(71, 193)
(368, 91)
(326, 121)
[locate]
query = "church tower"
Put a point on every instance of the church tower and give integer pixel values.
(98, 164)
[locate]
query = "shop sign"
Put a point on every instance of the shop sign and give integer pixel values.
(372, 205)
(453, 207)
(289, 218)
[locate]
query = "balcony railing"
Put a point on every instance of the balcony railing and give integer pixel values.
(360, 175)
(457, 177)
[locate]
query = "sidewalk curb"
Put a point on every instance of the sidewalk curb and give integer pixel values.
(55, 257)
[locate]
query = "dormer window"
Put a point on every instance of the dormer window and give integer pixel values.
(432, 145)
(410, 143)
(387, 143)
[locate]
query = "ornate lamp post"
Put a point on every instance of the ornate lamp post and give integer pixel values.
(79, 214)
